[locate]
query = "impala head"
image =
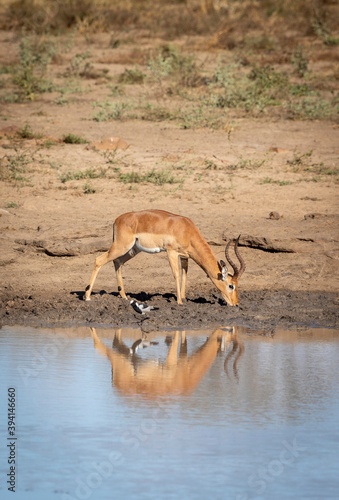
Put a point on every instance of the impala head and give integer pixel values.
(228, 283)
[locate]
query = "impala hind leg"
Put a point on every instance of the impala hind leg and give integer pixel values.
(121, 289)
(113, 253)
(118, 263)
(99, 262)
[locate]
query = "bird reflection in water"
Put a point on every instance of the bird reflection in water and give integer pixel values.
(180, 373)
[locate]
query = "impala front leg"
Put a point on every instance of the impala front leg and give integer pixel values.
(172, 356)
(173, 258)
(184, 270)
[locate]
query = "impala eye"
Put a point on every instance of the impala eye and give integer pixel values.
(231, 287)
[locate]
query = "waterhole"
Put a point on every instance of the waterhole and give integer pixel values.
(228, 413)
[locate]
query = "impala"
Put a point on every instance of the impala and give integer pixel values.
(154, 231)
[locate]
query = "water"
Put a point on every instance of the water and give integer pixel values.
(98, 422)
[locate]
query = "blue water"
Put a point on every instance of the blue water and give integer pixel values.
(266, 429)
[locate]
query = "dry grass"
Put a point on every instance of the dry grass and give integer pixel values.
(226, 21)
(266, 63)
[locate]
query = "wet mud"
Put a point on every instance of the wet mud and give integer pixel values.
(262, 310)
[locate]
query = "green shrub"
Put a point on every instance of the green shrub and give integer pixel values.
(300, 61)
(27, 133)
(73, 139)
(13, 168)
(109, 111)
(88, 189)
(90, 173)
(132, 76)
(157, 177)
(30, 75)
(169, 60)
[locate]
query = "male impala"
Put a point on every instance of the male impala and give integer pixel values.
(154, 231)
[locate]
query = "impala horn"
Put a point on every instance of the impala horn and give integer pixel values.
(237, 272)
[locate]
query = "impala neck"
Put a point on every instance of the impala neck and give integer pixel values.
(202, 254)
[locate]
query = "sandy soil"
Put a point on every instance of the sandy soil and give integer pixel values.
(229, 181)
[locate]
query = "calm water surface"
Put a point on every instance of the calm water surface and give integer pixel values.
(114, 414)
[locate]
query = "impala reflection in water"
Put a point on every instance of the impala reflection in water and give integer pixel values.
(180, 373)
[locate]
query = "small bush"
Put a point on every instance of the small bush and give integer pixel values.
(13, 168)
(155, 113)
(132, 76)
(267, 78)
(321, 29)
(73, 139)
(315, 108)
(298, 159)
(269, 180)
(12, 204)
(157, 177)
(109, 111)
(88, 189)
(30, 75)
(300, 61)
(169, 60)
(77, 65)
(27, 133)
(80, 67)
(90, 173)
(261, 88)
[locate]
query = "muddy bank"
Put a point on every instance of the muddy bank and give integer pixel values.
(263, 310)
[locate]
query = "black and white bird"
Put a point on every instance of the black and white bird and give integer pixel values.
(141, 344)
(142, 308)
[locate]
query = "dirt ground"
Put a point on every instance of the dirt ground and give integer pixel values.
(228, 181)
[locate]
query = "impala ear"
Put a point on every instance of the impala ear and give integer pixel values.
(224, 270)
